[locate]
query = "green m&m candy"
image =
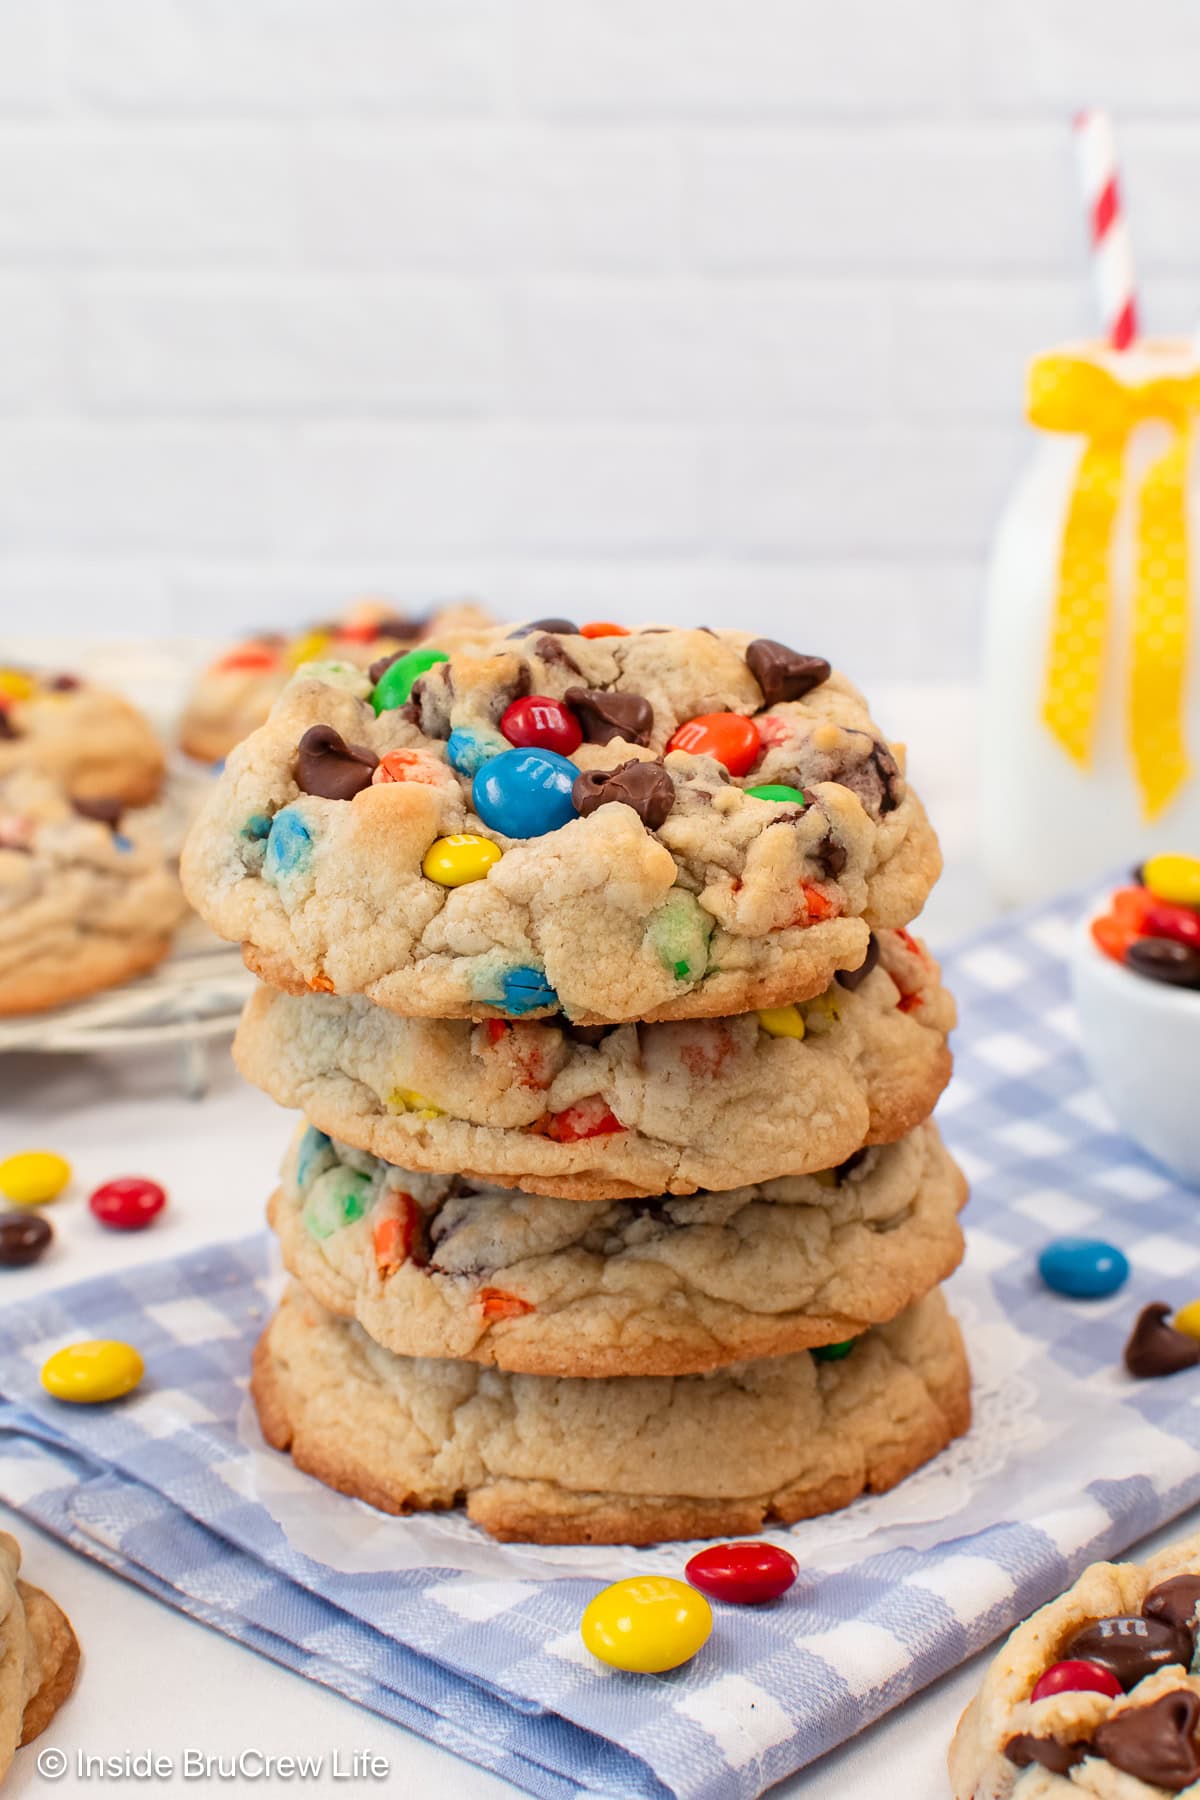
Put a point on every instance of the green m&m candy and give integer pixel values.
(833, 1352)
(775, 790)
(396, 683)
(338, 1198)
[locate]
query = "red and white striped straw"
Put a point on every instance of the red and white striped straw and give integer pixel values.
(1108, 231)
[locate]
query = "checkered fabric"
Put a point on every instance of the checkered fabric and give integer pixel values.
(156, 1487)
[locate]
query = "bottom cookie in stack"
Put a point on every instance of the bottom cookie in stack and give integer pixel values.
(675, 1367)
(39, 1656)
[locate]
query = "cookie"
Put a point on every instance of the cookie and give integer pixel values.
(631, 1460)
(39, 1656)
(588, 1114)
(93, 742)
(640, 877)
(1135, 1625)
(436, 1266)
(85, 901)
(234, 695)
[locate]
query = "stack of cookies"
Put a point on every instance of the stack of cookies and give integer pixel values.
(616, 1210)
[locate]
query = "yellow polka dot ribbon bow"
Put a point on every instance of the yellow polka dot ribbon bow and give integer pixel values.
(1070, 393)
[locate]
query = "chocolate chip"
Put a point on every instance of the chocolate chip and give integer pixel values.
(854, 978)
(891, 782)
(23, 1237)
(330, 768)
(104, 812)
(1129, 1646)
(1048, 1753)
(567, 627)
(1163, 959)
(1156, 1348)
(784, 674)
(65, 684)
(8, 730)
(1156, 1743)
(551, 651)
(645, 786)
(604, 716)
(375, 672)
(830, 856)
(405, 630)
(1175, 1600)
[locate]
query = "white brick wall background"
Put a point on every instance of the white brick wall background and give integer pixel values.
(692, 309)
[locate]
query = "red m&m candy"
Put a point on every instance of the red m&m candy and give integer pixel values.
(1075, 1677)
(746, 1574)
(547, 724)
(128, 1202)
(730, 737)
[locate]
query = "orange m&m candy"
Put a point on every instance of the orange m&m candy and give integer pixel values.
(730, 737)
(409, 765)
(602, 628)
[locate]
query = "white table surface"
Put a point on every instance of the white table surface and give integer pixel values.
(155, 1681)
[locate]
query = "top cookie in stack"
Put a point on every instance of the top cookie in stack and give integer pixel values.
(653, 825)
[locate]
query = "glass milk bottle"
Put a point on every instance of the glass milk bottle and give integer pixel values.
(1097, 551)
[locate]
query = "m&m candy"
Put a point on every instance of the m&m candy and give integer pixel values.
(746, 1574)
(833, 1352)
(541, 723)
(729, 737)
(454, 861)
(95, 1370)
(1075, 1677)
(779, 792)
(782, 1021)
(525, 793)
(1187, 1319)
(24, 1237)
(33, 1176)
(397, 680)
(599, 628)
(1174, 878)
(647, 1624)
(128, 1202)
(1085, 1268)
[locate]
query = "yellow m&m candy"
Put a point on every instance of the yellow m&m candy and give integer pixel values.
(17, 684)
(97, 1369)
(454, 861)
(1187, 1319)
(647, 1624)
(1174, 878)
(33, 1176)
(782, 1021)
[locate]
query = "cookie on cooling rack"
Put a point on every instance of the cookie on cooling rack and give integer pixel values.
(232, 697)
(657, 825)
(39, 1656)
(88, 894)
(92, 741)
(565, 1461)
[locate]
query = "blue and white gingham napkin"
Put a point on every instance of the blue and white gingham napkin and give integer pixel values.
(158, 1487)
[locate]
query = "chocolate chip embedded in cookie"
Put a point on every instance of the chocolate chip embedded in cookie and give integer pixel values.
(566, 1461)
(789, 835)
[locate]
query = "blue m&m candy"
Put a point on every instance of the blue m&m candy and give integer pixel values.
(1084, 1268)
(525, 990)
(525, 793)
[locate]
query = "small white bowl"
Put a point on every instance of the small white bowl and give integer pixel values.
(1141, 1041)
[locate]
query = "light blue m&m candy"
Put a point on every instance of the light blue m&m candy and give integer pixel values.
(525, 793)
(1084, 1268)
(289, 845)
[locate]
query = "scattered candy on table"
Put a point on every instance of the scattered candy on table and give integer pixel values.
(1153, 928)
(128, 1202)
(745, 1574)
(1156, 1348)
(525, 793)
(32, 1177)
(1187, 1319)
(454, 861)
(1085, 1268)
(24, 1237)
(647, 1624)
(97, 1369)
